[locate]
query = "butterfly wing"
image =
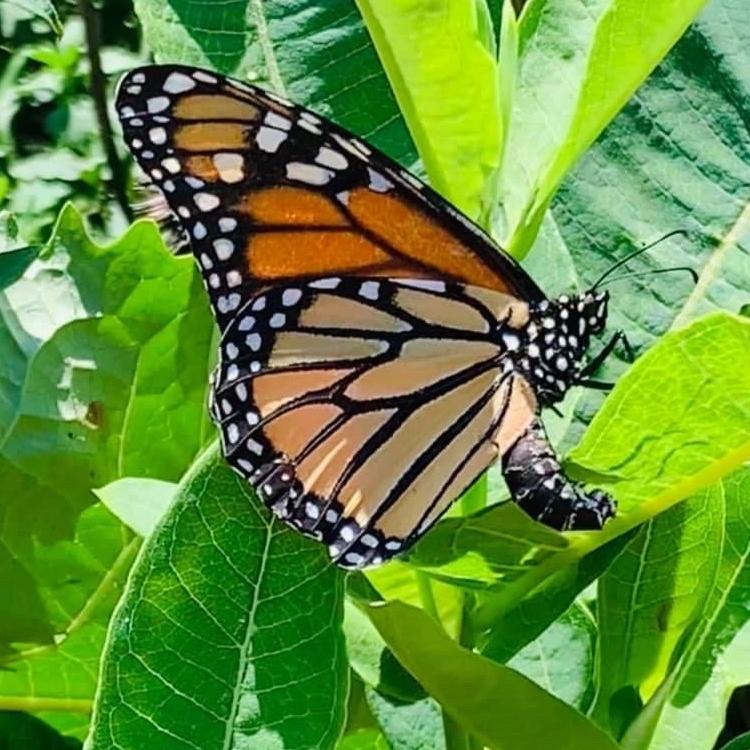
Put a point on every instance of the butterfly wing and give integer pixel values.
(360, 386)
(361, 408)
(268, 192)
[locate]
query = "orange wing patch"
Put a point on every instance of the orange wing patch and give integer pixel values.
(214, 107)
(272, 390)
(421, 239)
(285, 255)
(366, 490)
(211, 136)
(291, 205)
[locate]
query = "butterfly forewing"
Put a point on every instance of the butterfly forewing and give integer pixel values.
(270, 192)
(361, 385)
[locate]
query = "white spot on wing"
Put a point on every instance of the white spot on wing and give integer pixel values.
(201, 75)
(308, 173)
(224, 249)
(429, 284)
(157, 104)
(370, 290)
(230, 166)
(325, 283)
(330, 158)
(277, 121)
(378, 183)
(290, 297)
(176, 83)
(206, 201)
(171, 164)
(269, 139)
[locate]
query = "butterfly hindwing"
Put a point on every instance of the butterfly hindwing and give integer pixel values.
(361, 408)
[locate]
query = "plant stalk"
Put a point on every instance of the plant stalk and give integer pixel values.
(456, 737)
(92, 23)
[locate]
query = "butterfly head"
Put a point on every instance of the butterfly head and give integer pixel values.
(559, 332)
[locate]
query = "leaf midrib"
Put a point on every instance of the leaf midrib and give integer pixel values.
(266, 45)
(244, 659)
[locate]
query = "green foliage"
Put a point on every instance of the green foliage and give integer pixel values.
(50, 146)
(458, 137)
(100, 370)
(525, 717)
(233, 631)
(257, 607)
(578, 63)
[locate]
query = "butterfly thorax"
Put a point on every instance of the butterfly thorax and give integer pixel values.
(550, 350)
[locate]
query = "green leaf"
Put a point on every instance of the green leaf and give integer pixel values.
(676, 158)
(408, 725)
(103, 355)
(373, 662)
(739, 743)
(231, 619)
(648, 598)
(317, 54)
(139, 503)
(78, 581)
(19, 731)
(709, 606)
(561, 659)
(363, 739)
(578, 63)
(516, 626)
(497, 705)
(695, 432)
(14, 262)
(25, 9)
(433, 53)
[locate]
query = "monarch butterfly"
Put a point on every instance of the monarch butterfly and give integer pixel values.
(378, 351)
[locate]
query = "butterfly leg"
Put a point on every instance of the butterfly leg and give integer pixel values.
(539, 486)
(599, 359)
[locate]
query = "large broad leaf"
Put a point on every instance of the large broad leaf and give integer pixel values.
(230, 619)
(677, 158)
(578, 62)
(23, 10)
(104, 361)
(683, 639)
(494, 703)
(649, 597)
(444, 76)
(315, 53)
(561, 659)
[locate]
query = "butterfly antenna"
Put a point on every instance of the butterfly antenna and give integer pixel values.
(653, 272)
(636, 253)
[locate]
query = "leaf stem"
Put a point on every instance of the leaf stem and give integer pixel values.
(92, 23)
(426, 595)
(456, 737)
